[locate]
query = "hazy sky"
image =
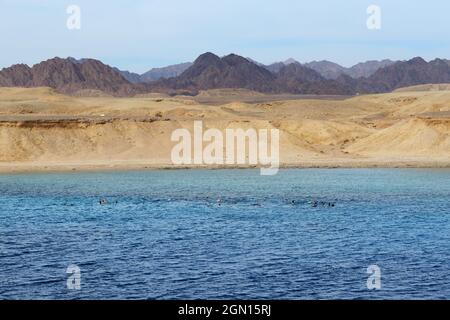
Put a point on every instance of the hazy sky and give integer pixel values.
(136, 34)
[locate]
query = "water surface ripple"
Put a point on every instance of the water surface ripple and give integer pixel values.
(226, 234)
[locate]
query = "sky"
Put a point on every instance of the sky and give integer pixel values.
(137, 35)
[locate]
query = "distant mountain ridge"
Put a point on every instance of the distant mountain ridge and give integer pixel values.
(130, 76)
(331, 70)
(327, 69)
(210, 71)
(155, 73)
(165, 72)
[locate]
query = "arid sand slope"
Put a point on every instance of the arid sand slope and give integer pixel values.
(41, 129)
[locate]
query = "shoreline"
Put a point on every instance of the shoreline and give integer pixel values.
(34, 167)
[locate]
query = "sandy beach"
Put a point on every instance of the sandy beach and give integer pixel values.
(42, 130)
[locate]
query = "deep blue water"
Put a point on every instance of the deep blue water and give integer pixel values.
(226, 234)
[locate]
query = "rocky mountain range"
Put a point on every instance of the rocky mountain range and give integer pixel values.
(327, 69)
(404, 74)
(210, 71)
(331, 70)
(67, 76)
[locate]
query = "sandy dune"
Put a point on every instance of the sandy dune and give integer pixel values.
(43, 130)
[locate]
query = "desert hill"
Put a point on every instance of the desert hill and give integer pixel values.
(43, 129)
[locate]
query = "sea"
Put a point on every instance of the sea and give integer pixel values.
(226, 234)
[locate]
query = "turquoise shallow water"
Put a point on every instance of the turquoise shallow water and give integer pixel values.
(225, 234)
